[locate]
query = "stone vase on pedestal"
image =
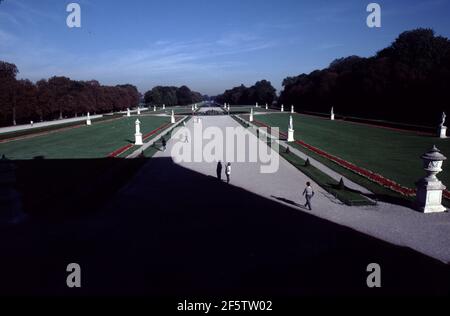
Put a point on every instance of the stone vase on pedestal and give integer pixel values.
(172, 118)
(429, 188)
(251, 115)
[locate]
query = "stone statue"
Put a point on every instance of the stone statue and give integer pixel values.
(443, 119)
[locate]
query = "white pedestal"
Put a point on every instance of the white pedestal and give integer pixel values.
(443, 132)
(251, 118)
(429, 196)
(172, 119)
(88, 122)
(290, 135)
(282, 108)
(138, 139)
(332, 117)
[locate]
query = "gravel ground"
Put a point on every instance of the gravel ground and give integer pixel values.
(399, 225)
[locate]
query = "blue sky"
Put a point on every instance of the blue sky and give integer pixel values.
(209, 45)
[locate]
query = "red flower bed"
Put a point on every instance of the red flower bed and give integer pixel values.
(155, 131)
(377, 178)
(120, 151)
(123, 149)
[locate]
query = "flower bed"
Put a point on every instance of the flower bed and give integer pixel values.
(123, 149)
(120, 151)
(146, 136)
(372, 176)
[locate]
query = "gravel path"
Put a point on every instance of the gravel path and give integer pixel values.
(399, 225)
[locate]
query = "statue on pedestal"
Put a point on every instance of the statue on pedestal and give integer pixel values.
(442, 130)
(443, 119)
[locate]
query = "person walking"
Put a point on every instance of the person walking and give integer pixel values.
(219, 170)
(228, 172)
(308, 193)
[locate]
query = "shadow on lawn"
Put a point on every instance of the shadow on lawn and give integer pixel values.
(167, 230)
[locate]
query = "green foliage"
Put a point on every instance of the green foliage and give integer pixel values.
(395, 84)
(24, 101)
(171, 96)
(262, 92)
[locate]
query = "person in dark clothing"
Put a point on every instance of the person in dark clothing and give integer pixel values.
(219, 171)
(164, 144)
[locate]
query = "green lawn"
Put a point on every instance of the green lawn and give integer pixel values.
(393, 154)
(95, 141)
(246, 109)
(345, 195)
(182, 109)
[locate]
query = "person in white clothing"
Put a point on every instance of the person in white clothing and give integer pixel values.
(228, 172)
(308, 193)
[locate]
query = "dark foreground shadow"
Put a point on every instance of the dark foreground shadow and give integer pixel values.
(172, 231)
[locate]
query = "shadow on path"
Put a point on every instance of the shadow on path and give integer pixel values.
(173, 231)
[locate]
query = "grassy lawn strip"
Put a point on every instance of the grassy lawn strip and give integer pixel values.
(246, 109)
(53, 128)
(157, 146)
(392, 154)
(345, 195)
(96, 141)
(242, 123)
(124, 151)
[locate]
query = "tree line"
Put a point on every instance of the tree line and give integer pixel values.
(22, 101)
(261, 92)
(172, 96)
(406, 82)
